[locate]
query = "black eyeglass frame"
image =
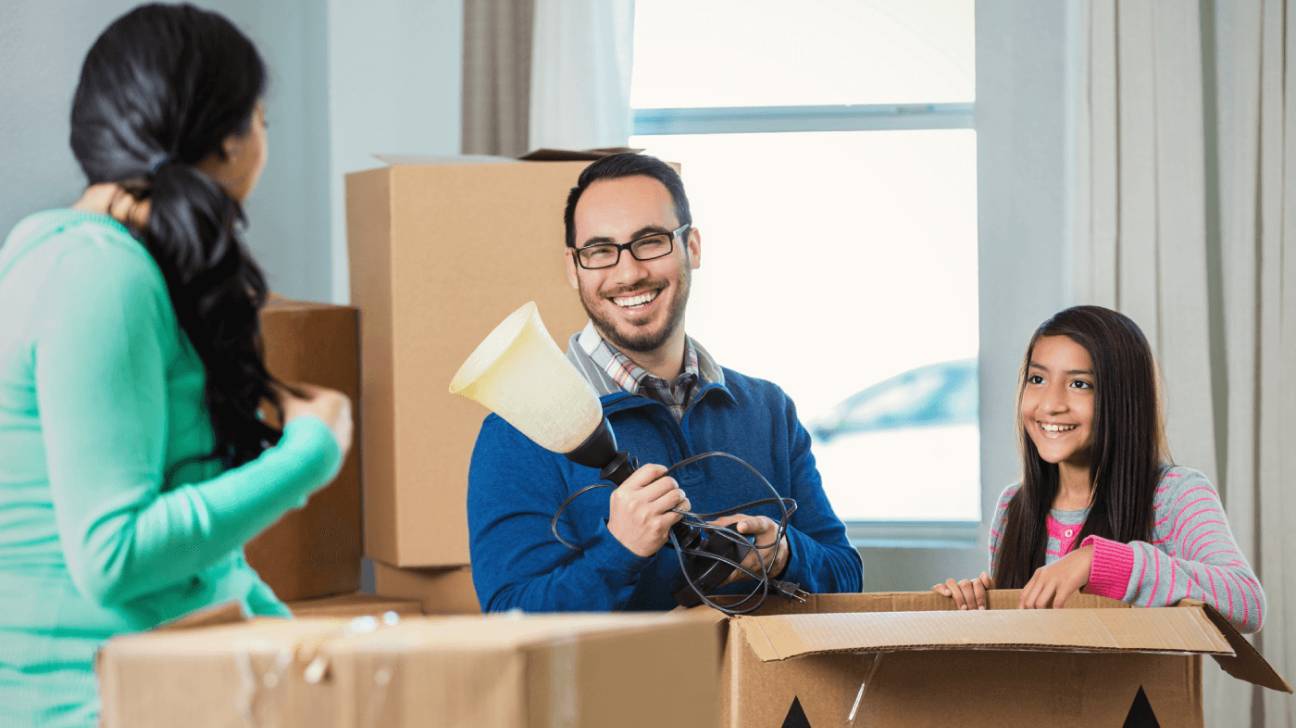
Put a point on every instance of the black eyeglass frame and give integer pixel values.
(671, 236)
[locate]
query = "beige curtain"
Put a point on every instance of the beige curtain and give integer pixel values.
(546, 74)
(496, 76)
(1183, 218)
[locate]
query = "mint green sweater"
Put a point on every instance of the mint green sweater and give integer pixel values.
(102, 530)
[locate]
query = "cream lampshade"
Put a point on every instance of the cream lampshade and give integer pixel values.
(519, 373)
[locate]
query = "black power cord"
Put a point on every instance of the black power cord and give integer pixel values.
(764, 582)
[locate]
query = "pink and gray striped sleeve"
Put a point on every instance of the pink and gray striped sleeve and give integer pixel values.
(1193, 555)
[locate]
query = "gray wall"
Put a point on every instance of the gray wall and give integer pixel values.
(395, 77)
(345, 78)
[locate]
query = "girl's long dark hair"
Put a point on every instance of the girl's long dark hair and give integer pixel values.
(160, 90)
(1126, 457)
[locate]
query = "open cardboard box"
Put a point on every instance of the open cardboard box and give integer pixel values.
(583, 671)
(910, 659)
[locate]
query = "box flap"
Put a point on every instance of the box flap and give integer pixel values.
(574, 155)
(223, 613)
(1167, 629)
(1246, 663)
(393, 160)
(275, 302)
(353, 605)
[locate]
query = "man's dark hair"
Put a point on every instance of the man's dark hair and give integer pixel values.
(627, 164)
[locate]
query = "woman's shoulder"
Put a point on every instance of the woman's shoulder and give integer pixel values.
(80, 253)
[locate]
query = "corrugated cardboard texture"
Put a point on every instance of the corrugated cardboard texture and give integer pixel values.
(439, 255)
(910, 659)
(1169, 629)
(354, 605)
(438, 591)
(454, 671)
(316, 551)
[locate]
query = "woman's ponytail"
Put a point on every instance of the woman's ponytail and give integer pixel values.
(161, 90)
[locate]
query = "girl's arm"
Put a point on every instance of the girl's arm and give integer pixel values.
(1193, 555)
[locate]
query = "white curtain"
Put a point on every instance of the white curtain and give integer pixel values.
(546, 74)
(580, 73)
(1183, 218)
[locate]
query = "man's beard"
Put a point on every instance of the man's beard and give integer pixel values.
(644, 341)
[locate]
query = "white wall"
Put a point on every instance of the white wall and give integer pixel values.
(346, 78)
(1021, 56)
(395, 70)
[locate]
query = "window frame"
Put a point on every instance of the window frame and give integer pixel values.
(863, 534)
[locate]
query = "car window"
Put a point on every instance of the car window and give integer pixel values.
(903, 400)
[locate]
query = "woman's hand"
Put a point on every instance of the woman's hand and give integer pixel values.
(1053, 585)
(967, 593)
(331, 406)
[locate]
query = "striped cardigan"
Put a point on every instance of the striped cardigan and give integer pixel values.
(1192, 553)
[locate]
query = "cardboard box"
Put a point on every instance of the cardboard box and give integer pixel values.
(440, 254)
(438, 591)
(909, 659)
(315, 551)
(354, 605)
(570, 670)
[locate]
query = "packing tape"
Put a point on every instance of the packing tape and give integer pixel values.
(563, 664)
(260, 688)
(859, 695)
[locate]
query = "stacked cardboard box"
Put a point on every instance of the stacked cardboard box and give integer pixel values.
(585, 670)
(354, 605)
(909, 659)
(440, 253)
(438, 591)
(316, 551)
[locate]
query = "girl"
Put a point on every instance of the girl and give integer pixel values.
(133, 462)
(1100, 507)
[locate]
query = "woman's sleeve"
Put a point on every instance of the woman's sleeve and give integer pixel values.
(100, 354)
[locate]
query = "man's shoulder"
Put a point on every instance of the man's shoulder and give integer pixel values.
(740, 383)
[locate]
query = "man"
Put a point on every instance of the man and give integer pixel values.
(631, 250)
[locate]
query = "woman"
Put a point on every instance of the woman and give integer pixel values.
(133, 462)
(1100, 506)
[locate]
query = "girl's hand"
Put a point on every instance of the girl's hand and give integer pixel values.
(1053, 585)
(968, 593)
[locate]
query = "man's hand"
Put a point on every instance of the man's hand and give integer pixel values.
(643, 508)
(1053, 585)
(763, 529)
(967, 593)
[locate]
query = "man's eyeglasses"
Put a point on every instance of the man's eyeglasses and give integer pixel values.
(607, 255)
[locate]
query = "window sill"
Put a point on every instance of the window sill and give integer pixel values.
(914, 535)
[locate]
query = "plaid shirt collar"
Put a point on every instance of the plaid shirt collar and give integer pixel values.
(634, 379)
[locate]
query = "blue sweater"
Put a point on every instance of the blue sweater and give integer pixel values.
(515, 486)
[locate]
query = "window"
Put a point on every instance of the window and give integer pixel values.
(830, 159)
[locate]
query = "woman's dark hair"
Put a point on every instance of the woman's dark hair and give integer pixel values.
(160, 90)
(1126, 457)
(627, 164)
